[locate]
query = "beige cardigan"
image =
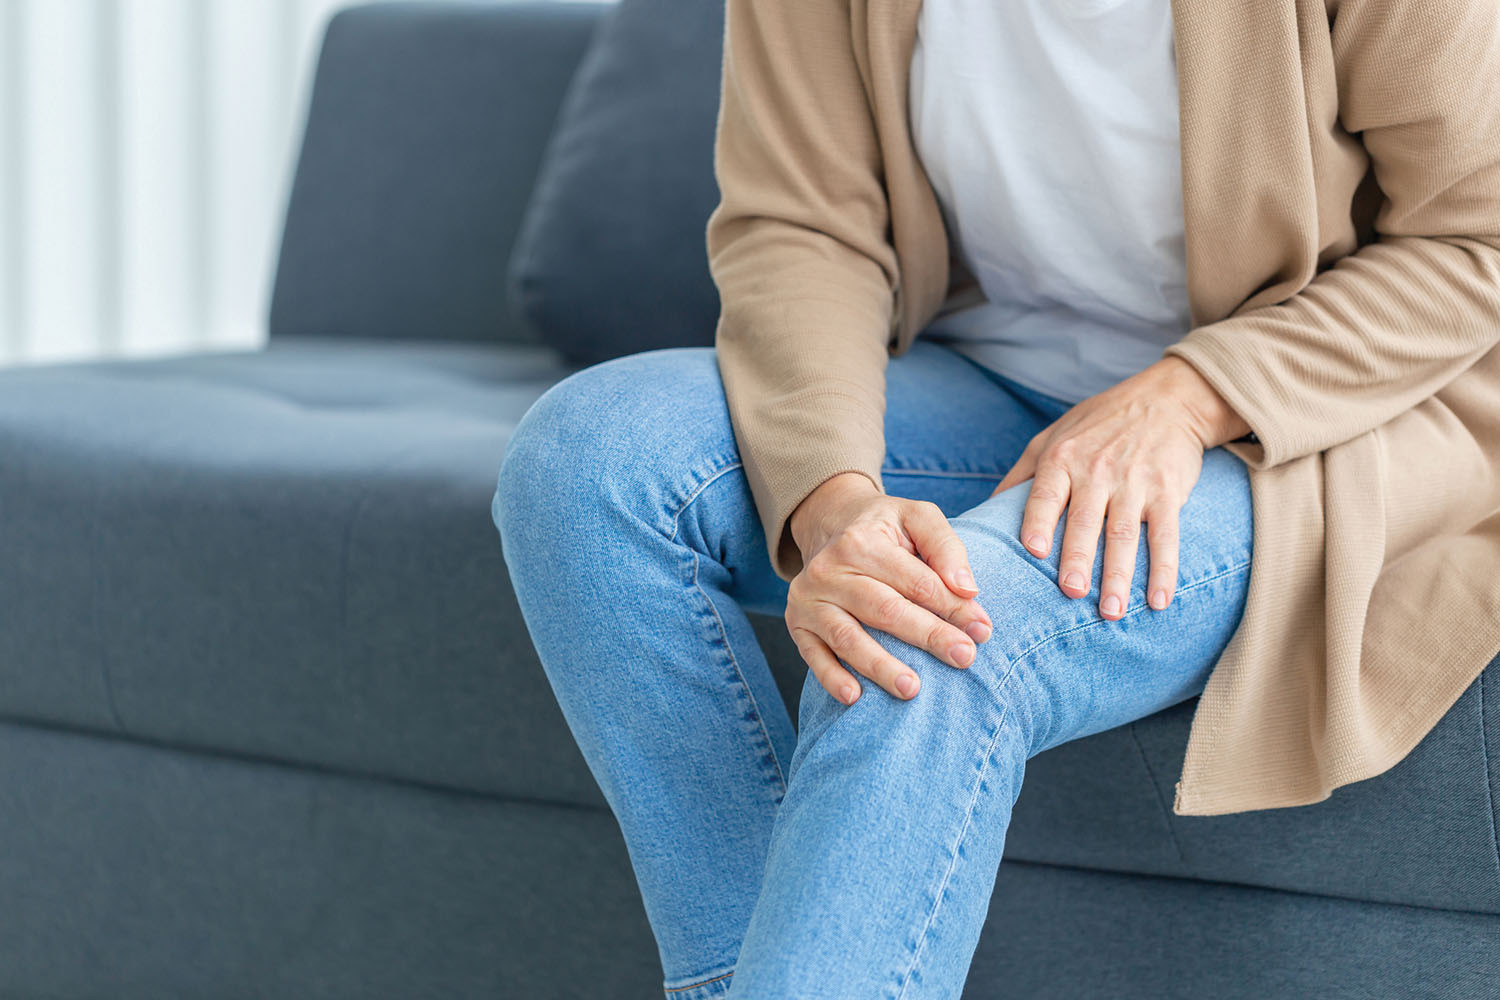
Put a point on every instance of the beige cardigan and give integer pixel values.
(1341, 191)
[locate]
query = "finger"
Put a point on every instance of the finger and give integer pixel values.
(905, 572)
(851, 643)
(825, 666)
(1122, 532)
(1049, 493)
(1081, 536)
(1161, 542)
(920, 584)
(880, 606)
(939, 545)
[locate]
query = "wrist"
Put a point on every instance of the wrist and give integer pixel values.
(1212, 418)
(806, 520)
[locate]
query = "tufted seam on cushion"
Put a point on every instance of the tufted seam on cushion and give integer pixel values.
(1489, 719)
(1161, 800)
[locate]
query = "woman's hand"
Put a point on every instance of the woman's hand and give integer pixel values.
(1128, 454)
(892, 563)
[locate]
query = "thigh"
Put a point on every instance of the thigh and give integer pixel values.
(650, 432)
(1054, 669)
(952, 431)
(1080, 672)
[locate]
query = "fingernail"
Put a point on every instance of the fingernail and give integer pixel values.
(978, 631)
(906, 684)
(1073, 580)
(962, 653)
(850, 693)
(1111, 605)
(1034, 543)
(965, 579)
(1158, 599)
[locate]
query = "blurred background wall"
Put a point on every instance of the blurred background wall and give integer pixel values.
(145, 155)
(145, 147)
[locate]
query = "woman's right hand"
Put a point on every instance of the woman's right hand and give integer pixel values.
(891, 563)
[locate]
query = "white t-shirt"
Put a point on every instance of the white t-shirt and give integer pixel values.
(1049, 130)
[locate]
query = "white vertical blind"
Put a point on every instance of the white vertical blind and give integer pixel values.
(145, 151)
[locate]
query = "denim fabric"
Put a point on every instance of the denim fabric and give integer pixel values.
(856, 855)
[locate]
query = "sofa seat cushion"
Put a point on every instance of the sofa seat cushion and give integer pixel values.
(1420, 834)
(285, 554)
(288, 555)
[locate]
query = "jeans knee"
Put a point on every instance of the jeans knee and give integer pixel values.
(946, 695)
(616, 435)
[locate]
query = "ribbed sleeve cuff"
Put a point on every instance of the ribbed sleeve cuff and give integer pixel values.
(818, 435)
(1220, 356)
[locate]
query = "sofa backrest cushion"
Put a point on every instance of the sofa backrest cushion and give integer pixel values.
(425, 131)
(611, 258)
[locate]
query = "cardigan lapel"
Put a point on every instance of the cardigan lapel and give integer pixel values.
(1248, 185)
(1249, 196)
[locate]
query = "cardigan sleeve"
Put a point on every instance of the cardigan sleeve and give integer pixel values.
(798, 246)
(1390, 324)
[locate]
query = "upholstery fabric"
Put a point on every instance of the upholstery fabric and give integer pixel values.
(1066, 934)
(270, 723)
(610, 259)
(133, 872)
(424, 136)
(287, 555)
(137, 872)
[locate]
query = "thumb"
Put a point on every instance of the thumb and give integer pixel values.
(940, 547)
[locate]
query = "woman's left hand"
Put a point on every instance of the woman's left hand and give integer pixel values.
(1128, 454)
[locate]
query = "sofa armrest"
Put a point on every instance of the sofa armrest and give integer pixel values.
(424, 133)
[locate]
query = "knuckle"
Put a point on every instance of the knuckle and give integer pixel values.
(843, 635)
(1122, 529)
(925, 590)
(888, 609)
(801, 636)
(939, 638)
(819, 569)
(1101, 465)
(1117, 575)
(1076, 558)
(860, 542)
(929, 508)
(1045, 492)
(796, 590)
(1089, 514)
(1163, 534)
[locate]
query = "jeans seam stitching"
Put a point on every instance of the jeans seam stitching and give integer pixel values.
(1133, 612)
(708, 481)
(937, 902)
(694, 986)
(734, 662)
(955, 473)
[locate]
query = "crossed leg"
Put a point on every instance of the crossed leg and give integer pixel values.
(855, 854)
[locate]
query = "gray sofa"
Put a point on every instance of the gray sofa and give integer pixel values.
(271, 724)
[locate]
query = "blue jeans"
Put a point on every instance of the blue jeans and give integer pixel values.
(853, 856)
